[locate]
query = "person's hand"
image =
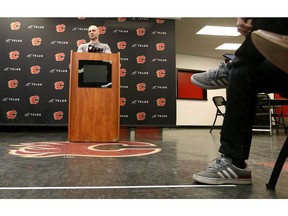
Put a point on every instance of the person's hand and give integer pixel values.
(243, 27)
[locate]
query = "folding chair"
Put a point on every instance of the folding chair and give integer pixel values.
(283, 155)
(266, 116)
(263, 119)
(265, 43)
(220, 103)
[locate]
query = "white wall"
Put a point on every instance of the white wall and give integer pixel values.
(196, 112)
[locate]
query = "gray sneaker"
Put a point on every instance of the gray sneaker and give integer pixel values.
(215, 78)
(224, 172)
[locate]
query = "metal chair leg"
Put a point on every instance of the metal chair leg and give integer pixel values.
(213, 123)
(278, 166)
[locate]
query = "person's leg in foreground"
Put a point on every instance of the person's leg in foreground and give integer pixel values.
(236, 135)
(251, 75)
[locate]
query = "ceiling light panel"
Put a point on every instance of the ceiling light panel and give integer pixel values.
(219, 30)
(228, 46)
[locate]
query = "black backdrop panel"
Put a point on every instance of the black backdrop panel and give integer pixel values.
(35, 56)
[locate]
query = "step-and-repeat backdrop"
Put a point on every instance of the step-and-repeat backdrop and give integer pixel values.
(35, 57)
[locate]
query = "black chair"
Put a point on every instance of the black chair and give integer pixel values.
(220, 103)
(277, 104)
(266, 115)
(283, 155)
(279, 117)
(263, 117)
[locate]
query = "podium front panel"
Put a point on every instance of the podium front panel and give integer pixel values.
(94, 110)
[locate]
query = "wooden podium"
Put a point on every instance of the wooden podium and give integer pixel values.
(94, 111)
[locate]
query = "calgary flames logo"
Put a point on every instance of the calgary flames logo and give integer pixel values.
(140, 31)
(121, 19)
(15, 26)
(141, 86)
(122, 101)
(79, 42)
(102, 30)
(35, 69)
(141, 59)
(14, 55)
(121, 45)
(160, 46)
(13, 83)
(160, 73)
(34, 99)
(58, 115)
(36, 41)
(60, 28)
(159, 21)
(161, 102)
(123, 72)
(59, 56)
(59, 85)
(65, 149)
(141, 116)
(11, 114)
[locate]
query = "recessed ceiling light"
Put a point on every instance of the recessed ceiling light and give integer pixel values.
(229, 46)
(219, 30)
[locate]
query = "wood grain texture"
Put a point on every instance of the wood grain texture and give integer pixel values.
(94, 113)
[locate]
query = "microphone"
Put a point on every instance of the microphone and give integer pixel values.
(94, 49)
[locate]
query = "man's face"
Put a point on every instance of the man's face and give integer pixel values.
(93, 32)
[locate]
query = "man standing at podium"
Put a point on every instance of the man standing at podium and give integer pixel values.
(94, 45)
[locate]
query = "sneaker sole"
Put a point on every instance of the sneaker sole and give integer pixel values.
(273, 47)
(205, 86)
(218, 181)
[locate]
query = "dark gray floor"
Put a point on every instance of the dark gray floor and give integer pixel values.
(163, 175)
(160, 183)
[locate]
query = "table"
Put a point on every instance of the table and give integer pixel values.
(278, 102)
